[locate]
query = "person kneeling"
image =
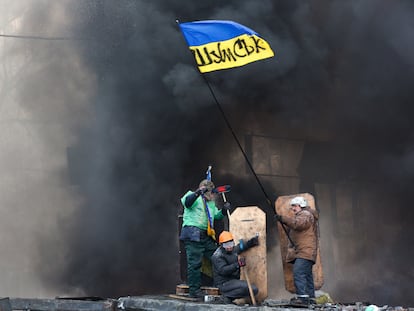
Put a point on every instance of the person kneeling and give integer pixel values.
(226, 267)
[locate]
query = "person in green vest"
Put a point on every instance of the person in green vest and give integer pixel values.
(197, 232)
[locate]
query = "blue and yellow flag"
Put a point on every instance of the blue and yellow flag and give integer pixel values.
(208, 173)
(218, 44)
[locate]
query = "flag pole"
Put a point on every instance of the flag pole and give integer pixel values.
(226, 120)
(244, 153)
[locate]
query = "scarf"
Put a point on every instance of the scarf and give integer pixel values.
(210, 223)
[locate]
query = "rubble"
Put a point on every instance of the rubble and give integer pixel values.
(166, 303)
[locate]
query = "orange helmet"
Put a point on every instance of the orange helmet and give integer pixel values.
(225, 236)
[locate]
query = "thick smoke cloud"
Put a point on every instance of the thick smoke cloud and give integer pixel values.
(342, 74)
(44, 98)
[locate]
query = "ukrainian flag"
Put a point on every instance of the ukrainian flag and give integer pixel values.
(219, 44)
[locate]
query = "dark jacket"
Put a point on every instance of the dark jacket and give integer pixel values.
(225, 265)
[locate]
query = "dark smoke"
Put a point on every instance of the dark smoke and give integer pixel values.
(341, 82)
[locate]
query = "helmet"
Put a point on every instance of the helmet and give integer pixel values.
(207, 183)
(225, 236)
(301, 201)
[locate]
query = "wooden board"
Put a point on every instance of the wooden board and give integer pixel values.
(282, 207)
(183, 297)
(245, 223)
(183, 289)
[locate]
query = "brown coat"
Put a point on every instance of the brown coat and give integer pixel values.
(304, 233)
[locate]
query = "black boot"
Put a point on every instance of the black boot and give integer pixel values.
(198, 294)
(300, 301)
(225, 300)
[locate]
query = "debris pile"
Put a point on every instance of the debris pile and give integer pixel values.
(161, 302)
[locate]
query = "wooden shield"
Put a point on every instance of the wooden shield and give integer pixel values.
(282, 207)
(245, 223)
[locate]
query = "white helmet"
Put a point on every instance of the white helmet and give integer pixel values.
(301, 201)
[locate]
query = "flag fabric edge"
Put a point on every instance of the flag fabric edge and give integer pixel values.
(223, 44)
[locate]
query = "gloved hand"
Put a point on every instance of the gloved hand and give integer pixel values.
(242, 261)
(201, 190)
(227, 206)
(252, 242)
(279, 218)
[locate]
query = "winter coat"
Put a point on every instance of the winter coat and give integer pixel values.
(196, 215)
(304, 233)
(225, 265)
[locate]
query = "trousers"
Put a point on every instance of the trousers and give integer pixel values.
(195, 252)
(235, 289)
(303, 278)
